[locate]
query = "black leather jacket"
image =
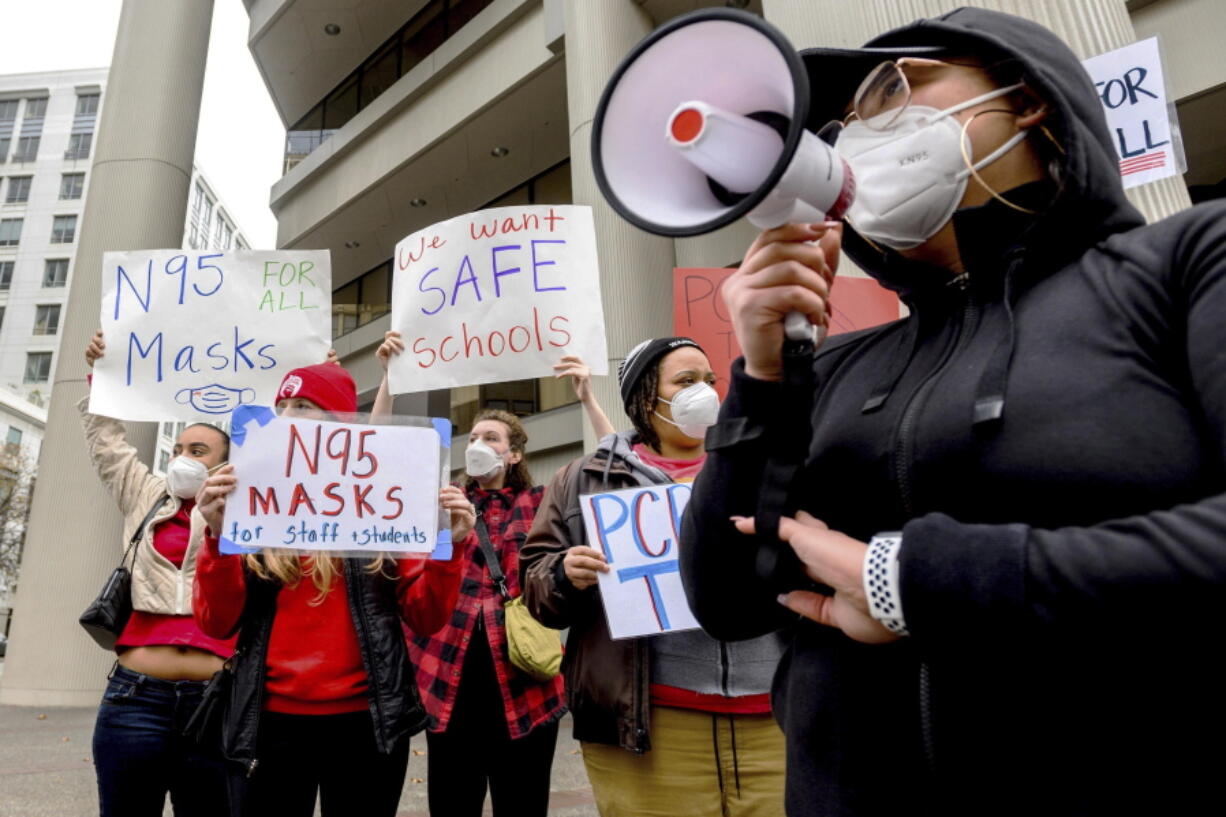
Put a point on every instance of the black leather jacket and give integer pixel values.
(395, 706)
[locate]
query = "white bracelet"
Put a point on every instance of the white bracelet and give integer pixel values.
(881, 580)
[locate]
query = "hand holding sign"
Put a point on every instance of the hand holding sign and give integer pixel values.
(635, 537)
(496, 295)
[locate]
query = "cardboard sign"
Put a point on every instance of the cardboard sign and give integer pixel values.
(190, 335)
(699, 313)
(638, 530)
(497, 295)
(347, 488)
(1132, 87)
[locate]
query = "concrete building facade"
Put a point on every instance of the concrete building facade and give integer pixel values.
(402, 114)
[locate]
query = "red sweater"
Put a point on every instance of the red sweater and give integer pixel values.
(314, 658)
(170, 538)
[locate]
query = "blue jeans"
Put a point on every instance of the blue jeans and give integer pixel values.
(140, 754)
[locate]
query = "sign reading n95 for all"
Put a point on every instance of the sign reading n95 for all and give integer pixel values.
(638, 530)
(496, 295)
(341, 487)
(1132, 87)
(191, 335)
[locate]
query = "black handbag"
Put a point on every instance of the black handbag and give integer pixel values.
(106, 616)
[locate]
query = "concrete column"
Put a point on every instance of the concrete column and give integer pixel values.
(1090, 27)
(635, 267)
(137, 200)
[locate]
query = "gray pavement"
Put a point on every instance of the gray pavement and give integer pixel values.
(46, 769)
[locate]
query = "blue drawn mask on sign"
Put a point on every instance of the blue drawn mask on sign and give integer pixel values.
(215, 399)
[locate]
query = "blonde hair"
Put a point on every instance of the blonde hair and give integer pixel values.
(286, 566)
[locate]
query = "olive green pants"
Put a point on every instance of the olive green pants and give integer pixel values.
(700, 764)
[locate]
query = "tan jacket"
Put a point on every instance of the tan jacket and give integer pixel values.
(157, 585)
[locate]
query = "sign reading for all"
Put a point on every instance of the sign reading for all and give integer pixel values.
(341, 487)
(190, 335)
(497, 295)
(1132, 87)
(639, 532)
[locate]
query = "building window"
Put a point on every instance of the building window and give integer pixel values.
(63, 229)
(87, 104)
(198, 201)
(72, 186)
(27, 149)
(38, 367)
(46, 319)
(13, 437)
(224, 232)
(36, 108)
(395, 57)
(8, 116)
(79, 145)
(10, 232)
(55, 273)
(1, 316)
(19, 190)
(361, 301)
(6, 275)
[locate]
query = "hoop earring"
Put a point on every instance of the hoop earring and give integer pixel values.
(970, 165)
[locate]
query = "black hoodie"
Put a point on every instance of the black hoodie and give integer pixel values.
(1051, 439)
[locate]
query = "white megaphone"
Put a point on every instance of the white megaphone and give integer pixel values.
(704, 122)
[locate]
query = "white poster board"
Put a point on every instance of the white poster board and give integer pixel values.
(496, 295)
(638, 530)
(191, 334)
(1132, 87)
(348, 488)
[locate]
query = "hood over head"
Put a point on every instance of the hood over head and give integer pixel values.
(1090, 203)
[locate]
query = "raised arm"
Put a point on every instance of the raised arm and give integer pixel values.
(392, 345)
(580, 375)
(219, 591)
(114, 458)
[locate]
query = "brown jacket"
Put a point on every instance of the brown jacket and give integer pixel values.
(606, 680)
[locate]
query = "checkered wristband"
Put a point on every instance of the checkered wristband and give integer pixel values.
(881, 581)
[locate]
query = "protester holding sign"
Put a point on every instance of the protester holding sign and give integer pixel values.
(1016, 496)
(322, 697)
(492, 724)
(713, 748)
(162, 658)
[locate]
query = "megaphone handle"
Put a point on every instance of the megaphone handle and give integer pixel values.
(797, 327)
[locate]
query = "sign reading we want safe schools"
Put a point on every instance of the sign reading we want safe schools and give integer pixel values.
(191, 335)
(497, 295)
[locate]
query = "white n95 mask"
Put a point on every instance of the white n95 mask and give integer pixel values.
(481, 461)
(695, 409)
(911, 177)
(185, 476)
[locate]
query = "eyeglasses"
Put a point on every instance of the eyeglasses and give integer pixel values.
(886, 92)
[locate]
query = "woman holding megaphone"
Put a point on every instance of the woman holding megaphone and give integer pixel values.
(493, 726)
(1010, 512)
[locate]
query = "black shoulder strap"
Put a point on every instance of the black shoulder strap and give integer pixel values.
(140, 529)
(491, 559)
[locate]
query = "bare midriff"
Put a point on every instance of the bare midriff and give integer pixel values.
(171, 663)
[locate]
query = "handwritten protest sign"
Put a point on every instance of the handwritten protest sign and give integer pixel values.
(1132, 87)
(342, 487)
(638, 530)
(497, 295)
(699, 313)
(190, 335)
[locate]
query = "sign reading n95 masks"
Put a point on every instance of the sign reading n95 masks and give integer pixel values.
(1132, 87)
(191, 335)
(638, 530)
(342, 487)
(497, 295)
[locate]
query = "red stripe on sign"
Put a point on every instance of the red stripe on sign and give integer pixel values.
(1132, 170)
(1148, 157)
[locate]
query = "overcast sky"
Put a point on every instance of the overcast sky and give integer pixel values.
(240, 141)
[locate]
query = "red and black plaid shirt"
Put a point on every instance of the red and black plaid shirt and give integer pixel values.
(527, 702)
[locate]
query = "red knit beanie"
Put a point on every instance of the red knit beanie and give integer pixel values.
(327, 385)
